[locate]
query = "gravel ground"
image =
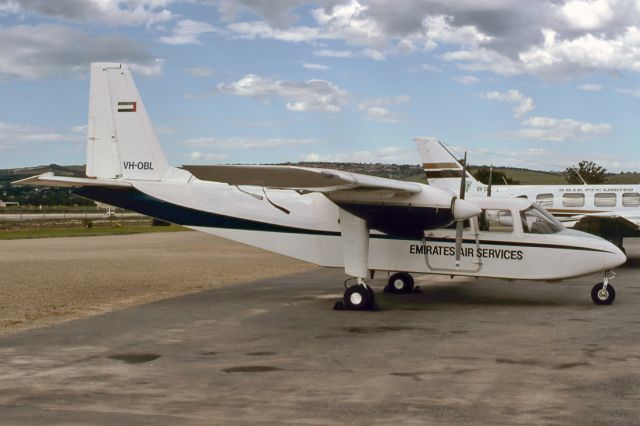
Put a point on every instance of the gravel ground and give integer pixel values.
(46, 281)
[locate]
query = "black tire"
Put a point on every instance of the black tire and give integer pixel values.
(601, 297)
(358, 297)
(400, 283)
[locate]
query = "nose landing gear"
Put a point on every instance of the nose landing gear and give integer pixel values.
(603, 293)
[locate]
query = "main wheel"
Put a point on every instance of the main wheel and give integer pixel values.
(358, 297)
(600, 296)
(400, 283)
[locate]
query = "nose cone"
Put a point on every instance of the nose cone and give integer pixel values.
(464, 209)
(613, 256)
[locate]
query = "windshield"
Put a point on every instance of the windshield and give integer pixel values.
(536, 220)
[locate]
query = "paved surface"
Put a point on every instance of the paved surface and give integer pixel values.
(53, 279)
(273, 351)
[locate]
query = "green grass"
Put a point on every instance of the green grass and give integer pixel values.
(15, 234)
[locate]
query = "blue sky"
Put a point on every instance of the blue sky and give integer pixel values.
(540, 84)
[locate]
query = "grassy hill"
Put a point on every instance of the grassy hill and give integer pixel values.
(29, 195)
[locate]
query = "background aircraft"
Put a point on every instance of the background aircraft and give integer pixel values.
(610, 211)
(331, 218)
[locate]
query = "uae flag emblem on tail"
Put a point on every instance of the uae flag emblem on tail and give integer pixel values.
(126, 107)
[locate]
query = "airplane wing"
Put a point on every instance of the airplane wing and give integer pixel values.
(305, 179)
(49, 179)
(628, 220)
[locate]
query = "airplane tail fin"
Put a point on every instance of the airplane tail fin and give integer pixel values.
(121, 141)
(442, 168)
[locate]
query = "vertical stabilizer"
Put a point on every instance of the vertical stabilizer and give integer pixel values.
(442, 168)
(121, 140)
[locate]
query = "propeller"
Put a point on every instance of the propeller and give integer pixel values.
(460, 223)
(490, 180)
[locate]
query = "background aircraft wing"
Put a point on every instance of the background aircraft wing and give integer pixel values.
(305, 179)
(48, 179)
(628, 221)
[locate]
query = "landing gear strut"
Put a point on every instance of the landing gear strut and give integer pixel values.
(603, 293)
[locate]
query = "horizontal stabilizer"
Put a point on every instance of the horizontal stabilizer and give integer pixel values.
(297, 178)
(49, 179)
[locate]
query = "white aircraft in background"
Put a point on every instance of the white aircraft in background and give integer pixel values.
(610, 211)
(331, 218)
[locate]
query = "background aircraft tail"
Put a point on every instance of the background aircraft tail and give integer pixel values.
(121, 141)
(442, 168)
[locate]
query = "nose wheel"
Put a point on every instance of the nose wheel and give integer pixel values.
(603, 293)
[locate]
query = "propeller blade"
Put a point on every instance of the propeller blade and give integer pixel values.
(463, 181)
(459, 229)
(460, 222)
(490, 180)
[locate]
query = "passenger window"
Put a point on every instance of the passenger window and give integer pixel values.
(631, 199)
(495, 221)
(575, 199)
(605, 199)
(545, 200)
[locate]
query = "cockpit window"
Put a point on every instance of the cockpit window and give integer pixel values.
(539, 221)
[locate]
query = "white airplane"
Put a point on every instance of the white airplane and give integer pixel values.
(331, 218)
(609, 211)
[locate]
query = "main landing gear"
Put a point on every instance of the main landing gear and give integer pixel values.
(360, 296)
(603, 293)
(400, 283)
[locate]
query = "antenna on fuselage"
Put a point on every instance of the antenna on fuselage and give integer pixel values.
(460, 223)
(490, 180)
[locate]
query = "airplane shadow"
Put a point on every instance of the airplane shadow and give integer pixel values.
(475, 294)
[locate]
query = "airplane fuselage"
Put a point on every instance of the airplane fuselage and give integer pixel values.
(311, 231)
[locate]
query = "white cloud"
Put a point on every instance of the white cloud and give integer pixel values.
(148, 69)
(200, 71)
(467, 79)
(523, 103)
(377, 109)
(559, 130)
(206, 156)
(261, 29)
(110, 12)
(334, 53)
(483, 59)
(319, 67)
(41, 51)
(586, 14)
(430, 68)
(590, 87)
(187, 31)
(630, 92)
(248, 143)
(80, 128)
(310, 95)
(390, 154)
(559, 58)
(546, 38)
(12, 135)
